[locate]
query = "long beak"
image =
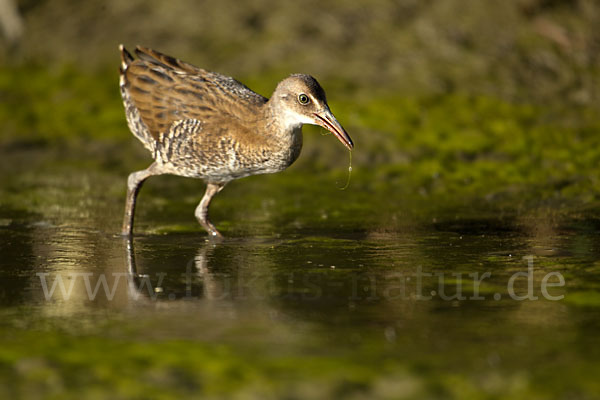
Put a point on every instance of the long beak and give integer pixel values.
(326, 119)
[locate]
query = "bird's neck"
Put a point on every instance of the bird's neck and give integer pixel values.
(279, 121)
(284, 134)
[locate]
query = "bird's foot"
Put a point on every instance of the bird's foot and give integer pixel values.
(126, 230)
(213, 233)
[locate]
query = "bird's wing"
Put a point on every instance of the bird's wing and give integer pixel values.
(166, 90)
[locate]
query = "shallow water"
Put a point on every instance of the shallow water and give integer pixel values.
(315, 293)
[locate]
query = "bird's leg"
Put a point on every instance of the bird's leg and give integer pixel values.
(134, 183)
(202, 209)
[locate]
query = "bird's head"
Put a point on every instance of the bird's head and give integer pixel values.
(302, 100)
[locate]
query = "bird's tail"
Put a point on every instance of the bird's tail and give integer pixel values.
(126, 58)
(134, 120)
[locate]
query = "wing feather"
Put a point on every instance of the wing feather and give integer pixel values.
(166, 90)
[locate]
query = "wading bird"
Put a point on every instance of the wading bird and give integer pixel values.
(201, 124)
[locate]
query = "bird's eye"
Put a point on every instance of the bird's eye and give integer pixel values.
(303, 99)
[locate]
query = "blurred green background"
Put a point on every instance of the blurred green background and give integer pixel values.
(477, 138)
(515, 49)
(441, 93)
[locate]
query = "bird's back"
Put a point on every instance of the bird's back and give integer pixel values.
(160, 92)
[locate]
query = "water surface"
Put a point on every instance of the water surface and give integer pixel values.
(315, 293)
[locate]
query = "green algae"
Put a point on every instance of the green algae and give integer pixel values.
(584, 298)
(447, 146)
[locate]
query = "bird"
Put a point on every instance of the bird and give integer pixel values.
(201, 124)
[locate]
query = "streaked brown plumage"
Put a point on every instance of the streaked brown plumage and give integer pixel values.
(201, 124)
